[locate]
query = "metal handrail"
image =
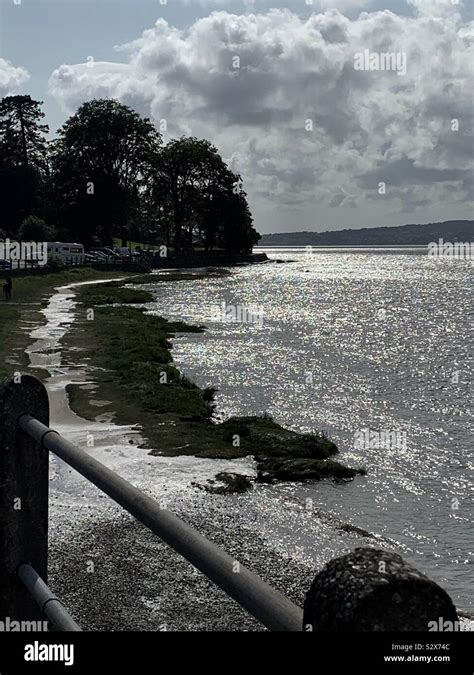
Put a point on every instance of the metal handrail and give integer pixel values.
(48, 603)
(266, 604)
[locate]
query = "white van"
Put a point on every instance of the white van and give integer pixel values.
(73, 254)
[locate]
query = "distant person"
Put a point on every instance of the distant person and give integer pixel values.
(7, 288)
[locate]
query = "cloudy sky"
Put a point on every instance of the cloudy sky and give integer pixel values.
(320, 144)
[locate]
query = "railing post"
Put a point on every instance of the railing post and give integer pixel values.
(23, 495)
(374, 590)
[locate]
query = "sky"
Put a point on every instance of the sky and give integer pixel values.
(292, 94)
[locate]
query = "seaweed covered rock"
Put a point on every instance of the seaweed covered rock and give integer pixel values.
(263, 436)
(271, 469)
(226, 483)
(282, 454)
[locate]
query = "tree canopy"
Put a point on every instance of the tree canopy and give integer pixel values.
(98, 162)
(109, 174)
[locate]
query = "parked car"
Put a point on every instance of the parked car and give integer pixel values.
(96, 257)
(108, 252)
(98, 253)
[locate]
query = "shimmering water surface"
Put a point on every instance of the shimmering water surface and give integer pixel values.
(352, 340)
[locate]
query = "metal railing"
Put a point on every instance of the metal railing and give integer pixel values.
(47, 602)
(257, 597)
(25, 443)
(27, 440)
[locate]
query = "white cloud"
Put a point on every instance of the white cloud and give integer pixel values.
(436, 7)
(11, 78)
(72, 85)
(367, 126)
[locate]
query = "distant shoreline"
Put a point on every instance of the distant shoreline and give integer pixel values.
(310, 250)
(400, 235)
(385, 247)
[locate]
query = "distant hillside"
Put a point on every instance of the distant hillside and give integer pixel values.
(450, 230)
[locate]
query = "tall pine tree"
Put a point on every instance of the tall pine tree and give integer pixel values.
(22, 135)
(23, 160)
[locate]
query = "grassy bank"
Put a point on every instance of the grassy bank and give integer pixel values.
(137, 382)
(30, 295)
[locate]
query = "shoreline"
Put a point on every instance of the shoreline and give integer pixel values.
(87, 529)
(136, 380)
(29, 300)
(98, 552)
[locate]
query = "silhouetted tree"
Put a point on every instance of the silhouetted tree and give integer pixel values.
(22, 136)
(178, 179)
(237, 233)
(195, 191)
(107, 174)
(35, 229)
(23, 159)
(98, 165)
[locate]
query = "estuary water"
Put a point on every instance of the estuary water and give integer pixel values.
(374, 347)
